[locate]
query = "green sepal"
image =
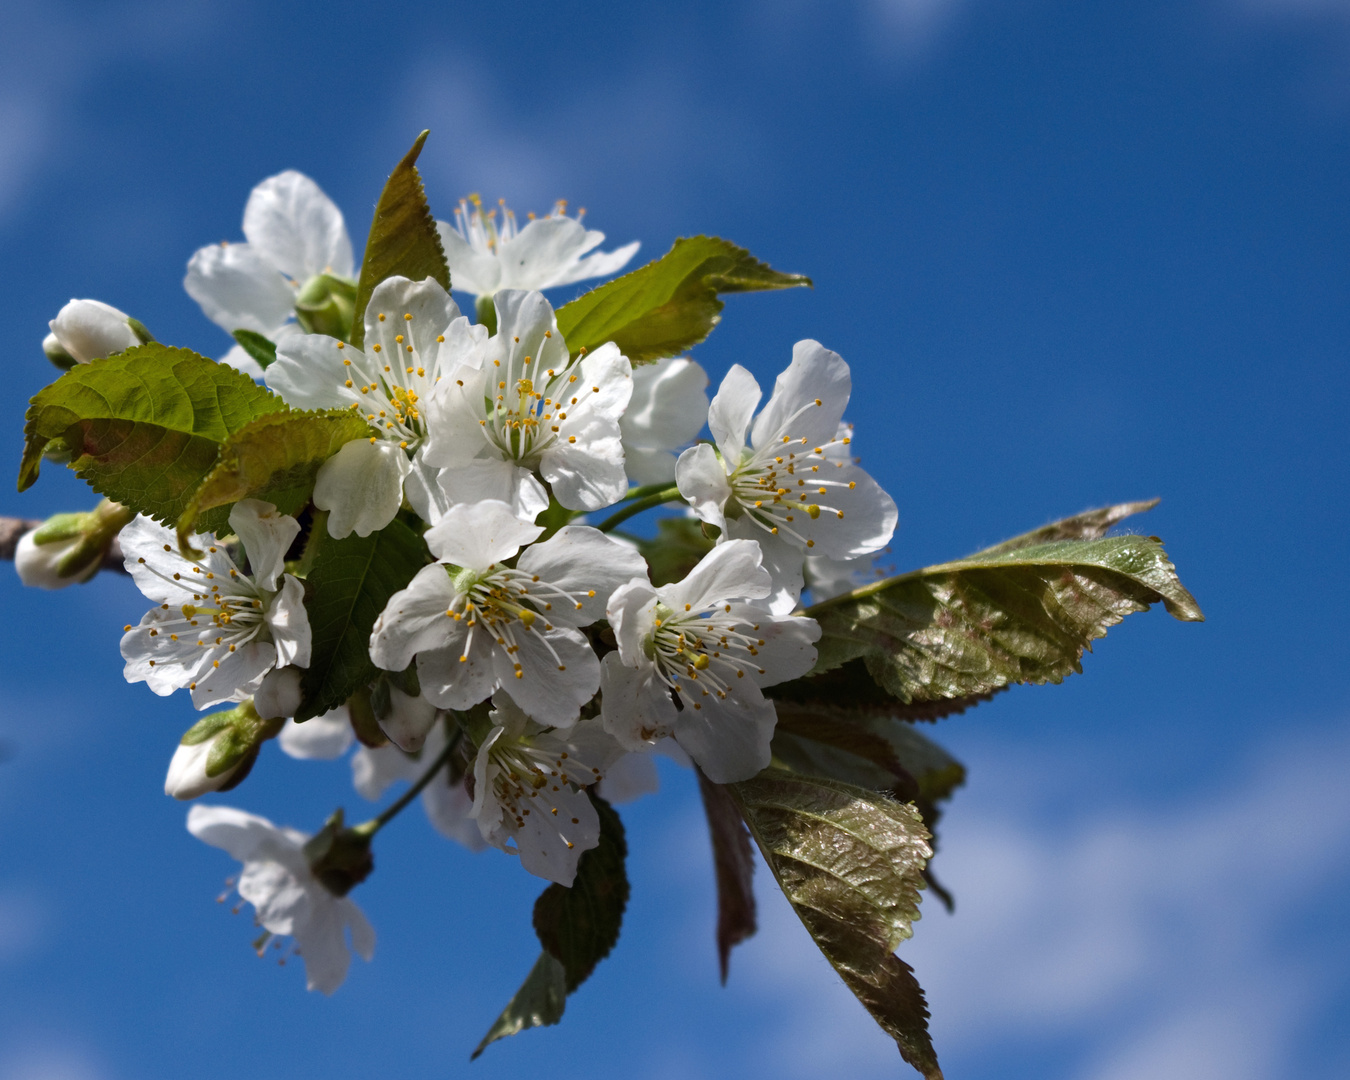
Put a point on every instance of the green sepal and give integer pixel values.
(143, 427)
(403, 238)
(669, 305)
(851, 864)
(485, 311)
(338, 856)
(349, 584)
(237, 732)
(257, 345)
(275, 458)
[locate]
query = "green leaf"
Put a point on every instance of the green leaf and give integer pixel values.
(850, 862)
(1017, 616)
(1089, 525)
(665, 307)
(676, 549)
(539, 1002)
(734, 867)
(275, 458)
(579, 926)
(403, 240)
(261, 348)
(849, 689)
(348, 586)
(143, 427)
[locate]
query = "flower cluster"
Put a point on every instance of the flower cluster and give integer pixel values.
(532, 654)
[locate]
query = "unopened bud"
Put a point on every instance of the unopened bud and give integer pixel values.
(87, 330)
(69, 548)
(326, 305)
(56, 353)
(217, 752)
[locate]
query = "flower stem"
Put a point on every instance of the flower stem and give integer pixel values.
(656, 498)
(375, 824)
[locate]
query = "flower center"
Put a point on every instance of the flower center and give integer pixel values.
(390, 385)
(528, 776)
(789, 481)
(528, 404)
(701, 653)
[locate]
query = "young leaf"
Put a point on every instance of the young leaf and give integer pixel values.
(539, 1002)
(1018, 616)
(850, 862)
(734, 866)
(579, 926)
(851, 690)
(261, 348)
(275, 458)
(403, 239)
(351, 581)
(1089, 525)
(665, 307)
(143, 427)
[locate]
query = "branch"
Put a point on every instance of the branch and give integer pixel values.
(12, 529)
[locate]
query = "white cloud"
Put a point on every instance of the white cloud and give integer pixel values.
(1165, 939)
(48, 1062)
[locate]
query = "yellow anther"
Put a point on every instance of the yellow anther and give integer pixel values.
(814, 511)
(398, 338)
(380, 317)
(701, 661)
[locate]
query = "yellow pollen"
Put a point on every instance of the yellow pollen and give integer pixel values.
(701, 661)
(377, 348)
(381, 317)
(407, 318)
(398, 338)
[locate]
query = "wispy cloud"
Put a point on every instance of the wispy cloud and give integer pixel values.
(1172, 940)
(50, 1061)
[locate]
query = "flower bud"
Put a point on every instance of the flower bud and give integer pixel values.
(326, 305)
(69, 548)
(340, 857)
(89, 329)
(218, 751)
(56, 353)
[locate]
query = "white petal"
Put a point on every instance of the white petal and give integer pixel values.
(449, 809)
(239, 833)
(539, 256)
(588, 474)
(310, 372)
(729, 738)
(238, 359)
(523, 321)
(455, 683)
(233, 676)
(560, 826)
(629, 778)
(409, 720)
(782, 559)
(601, 264)
(558, 674)
(669, 405)
(789, 649)
(361, 486)
(586, 563)
(90, 329)
(321, 738)
(375, 769)
(645, 466)
(289, 623)
(454, 411)
(731, 571)
(238, 289)
(187, 777)
(150, 554)
(267, 536)
(632, 616)
(297, 228)
(431, 309)
(635, 705)
(279, 694)
(702, 480)
(423, 490)
(494, 479)
(470, 271)
(414, 620)
(477, 535)
(815, 375)
(730, 412)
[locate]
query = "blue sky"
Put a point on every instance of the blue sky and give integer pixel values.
(1075, 253)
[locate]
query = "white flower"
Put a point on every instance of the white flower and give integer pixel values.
(699, 639)
(474, 624)
(90, 329)
(667, 411)
(288, 899)
(321, 738)
(531, 408)
(408, 720)
(295, 233)
(414, 335)
(188, 777)
(486, 256)
(827, 577)
(529, 788)
(216, 630)
(787, 482)
(447, 804)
